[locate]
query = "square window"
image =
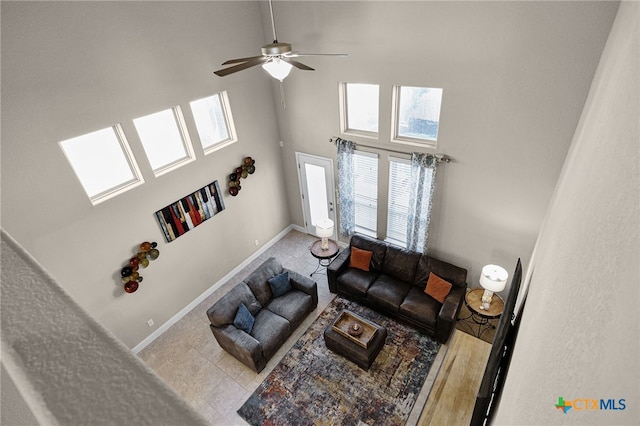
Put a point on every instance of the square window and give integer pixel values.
(103, 162)
(416, 115)
(214, 122)
(165, 140)
(359, 109)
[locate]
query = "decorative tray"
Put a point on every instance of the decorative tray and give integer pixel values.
(355, 328)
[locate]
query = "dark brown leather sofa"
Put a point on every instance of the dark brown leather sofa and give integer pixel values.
(395, 283)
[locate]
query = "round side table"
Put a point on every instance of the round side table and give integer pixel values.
(479, 316)
(324, 256)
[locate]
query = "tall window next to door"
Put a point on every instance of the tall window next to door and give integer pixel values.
(399, 194)
(365, 180)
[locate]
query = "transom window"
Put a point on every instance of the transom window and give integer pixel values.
(359, 109)
(214, 122)
(165, 140)
(365, 177)
(416, 115)
(103, 163)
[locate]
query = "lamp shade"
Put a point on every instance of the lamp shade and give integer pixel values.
(324, 228)
(493, 278)
(277, 68)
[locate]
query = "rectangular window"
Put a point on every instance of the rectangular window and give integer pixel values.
(359, 109)
(416, 115)
(365, 171)
(214, 122)
(399, 187)
(165, 140)
(103, 163)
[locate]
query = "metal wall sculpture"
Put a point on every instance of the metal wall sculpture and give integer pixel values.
(190, 211)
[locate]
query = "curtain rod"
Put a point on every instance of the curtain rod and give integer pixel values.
(440, 158)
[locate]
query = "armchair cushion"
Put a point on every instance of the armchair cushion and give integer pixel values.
(437, 287)
(279, 284)
(224, 311)
(244, 320)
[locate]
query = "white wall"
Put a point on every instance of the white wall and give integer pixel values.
(581, 327)
(515, 77)
(69, 68)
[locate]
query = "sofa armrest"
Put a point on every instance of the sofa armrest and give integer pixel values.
(449, 313)
(304, 284)
(336, 267)
(241, 345)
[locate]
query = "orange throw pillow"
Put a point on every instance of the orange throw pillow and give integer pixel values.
(437, 287)
(360, 259)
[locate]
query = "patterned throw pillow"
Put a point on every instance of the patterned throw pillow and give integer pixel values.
(360, 259)
(437, 287)
(280, 284)
(244, 320)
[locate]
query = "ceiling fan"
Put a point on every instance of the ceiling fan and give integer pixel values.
(276, 58)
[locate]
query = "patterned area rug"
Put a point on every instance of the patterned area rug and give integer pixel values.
(313, 385)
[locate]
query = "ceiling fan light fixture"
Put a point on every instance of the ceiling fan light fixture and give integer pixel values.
(277, 68)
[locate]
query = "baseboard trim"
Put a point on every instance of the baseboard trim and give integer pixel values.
(184, 311)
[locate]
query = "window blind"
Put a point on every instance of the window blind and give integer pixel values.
(365, 171)
(399, 181)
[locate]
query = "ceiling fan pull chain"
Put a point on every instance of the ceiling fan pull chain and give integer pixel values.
(282, 101)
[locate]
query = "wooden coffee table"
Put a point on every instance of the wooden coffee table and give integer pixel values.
(361, 348)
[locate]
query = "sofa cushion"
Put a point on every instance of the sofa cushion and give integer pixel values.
(224, 310)
(451, 273)
(371, 244)
(437, 287)
(356, 282)
(360, 259)
(271, 331)
(279, 284)
(388, 292)
(293, 305)
(420, 307)
(400, 263)
(243, 319)
(258, 279)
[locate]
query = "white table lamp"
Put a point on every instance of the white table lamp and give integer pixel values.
(492, 279)
(324, 230)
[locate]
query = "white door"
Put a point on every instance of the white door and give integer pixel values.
(315, 175)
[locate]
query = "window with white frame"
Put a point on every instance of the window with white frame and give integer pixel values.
(214, 122)
(416, 115)
(359, 109)
(103, 163)
(365, 174)
(165, 140)
(398, 209)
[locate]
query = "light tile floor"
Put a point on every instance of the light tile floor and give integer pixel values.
(190, 360)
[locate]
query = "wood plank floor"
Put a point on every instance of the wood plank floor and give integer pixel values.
(454, 391)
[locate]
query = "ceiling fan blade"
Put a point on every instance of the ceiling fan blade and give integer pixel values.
(240, 67)
(297, 64)
(296, 54)
(238, 60)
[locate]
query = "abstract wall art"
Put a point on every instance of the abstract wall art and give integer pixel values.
(190, 211)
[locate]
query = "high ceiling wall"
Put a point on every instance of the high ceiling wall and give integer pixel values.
(69, 68)
(515, 77)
